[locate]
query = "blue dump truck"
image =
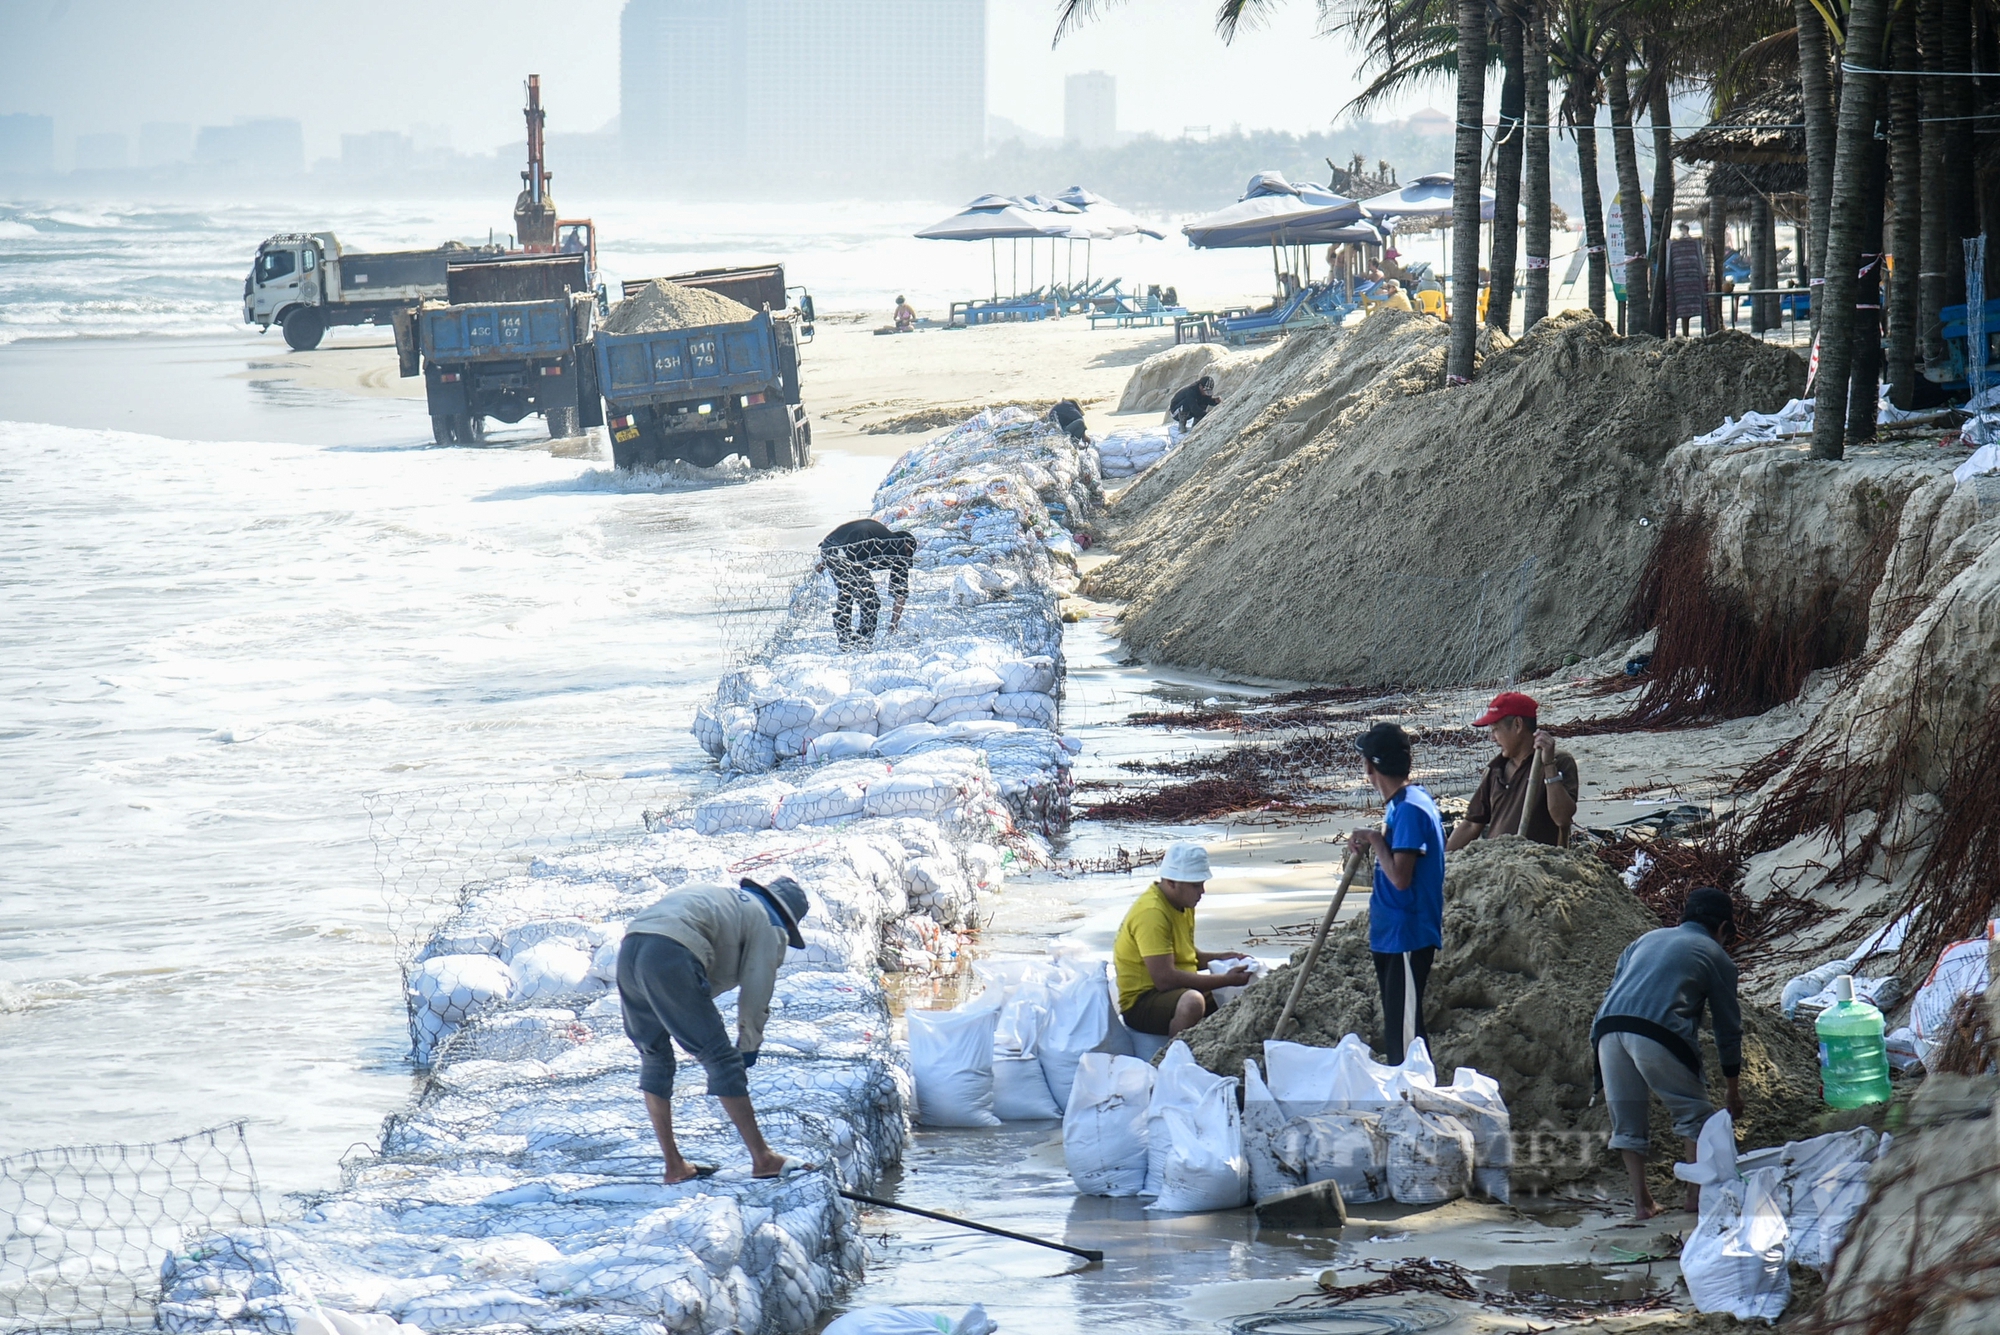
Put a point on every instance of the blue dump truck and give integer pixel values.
(511, 338)
(703, 392)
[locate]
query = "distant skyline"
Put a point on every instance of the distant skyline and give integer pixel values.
(455, 68)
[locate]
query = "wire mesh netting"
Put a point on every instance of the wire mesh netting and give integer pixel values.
(757, 592)
(84, 1229)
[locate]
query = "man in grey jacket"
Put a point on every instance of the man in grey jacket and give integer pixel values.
(679, 955)
(1648, 1033)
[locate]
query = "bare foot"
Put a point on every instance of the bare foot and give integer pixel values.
(682, 1171)
(1644, 1210)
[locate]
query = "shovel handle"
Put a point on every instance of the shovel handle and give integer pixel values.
(1347, 875)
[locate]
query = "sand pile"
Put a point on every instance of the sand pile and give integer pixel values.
(661, 306)
(1344, 462)
(1156, 380)
(1531, 937)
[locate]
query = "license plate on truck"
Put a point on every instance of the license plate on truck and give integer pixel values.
(629, 433)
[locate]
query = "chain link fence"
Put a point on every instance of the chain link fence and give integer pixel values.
(83, 1229)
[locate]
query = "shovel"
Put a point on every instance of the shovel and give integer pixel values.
(1347, 875)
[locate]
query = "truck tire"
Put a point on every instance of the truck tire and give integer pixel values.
(304, 328)
(802, 444)
(471, 428)
(562, 422)
(444, 429)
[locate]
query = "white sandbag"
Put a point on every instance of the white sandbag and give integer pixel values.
(1031, 707)
(912, 795)
(1037, 675)
(604, 961)
(751, 752)
(751, 807)
(821, 802)
(785, 713)
(318, 1320)
(901, 740)
(910, 1321)
(1961, 971)
(1349, 1148)
(1430, 1156)
(951, 1058)
(1203, 1168)
(1262, 1124)
(1256, 968)
(789, 744)
(451, 987)
(1080, 1022)
(552, 969)
(1474, 1099)
(1178, 1082)
(950, 709)
(905, 705)
(1307, 1080)
(1104, 1124)
(822, 684)
(839, 746)
(1734, 1260)
(971, 681)
(853, 712)
(1020, 1090)
(707, 730)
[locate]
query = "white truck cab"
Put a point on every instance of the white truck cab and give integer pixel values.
(304, 282)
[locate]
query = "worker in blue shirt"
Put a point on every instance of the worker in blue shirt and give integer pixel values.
(1406, 911)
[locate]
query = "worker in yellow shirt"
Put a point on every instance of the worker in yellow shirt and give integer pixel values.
(1161, 989)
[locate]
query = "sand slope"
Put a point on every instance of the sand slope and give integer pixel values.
(1347, 518)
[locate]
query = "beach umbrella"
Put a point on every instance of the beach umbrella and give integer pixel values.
(1102, 220)
(1274, 212)
(995, 218)
(1426, 200)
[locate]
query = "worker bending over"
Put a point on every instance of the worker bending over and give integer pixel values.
(1648, 1033)
(678, 956)
(1503, 791)
(852, 554)
(1069, 416)
(1192, 404)
(1406, 910)
(1161, 989)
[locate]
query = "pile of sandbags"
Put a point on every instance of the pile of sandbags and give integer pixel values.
(1381, 1132)
(1173, 1134)
(521, 1187)
(1133, 449)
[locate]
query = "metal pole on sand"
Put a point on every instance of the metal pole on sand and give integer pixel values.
(1347, 875)
(1085, 1252)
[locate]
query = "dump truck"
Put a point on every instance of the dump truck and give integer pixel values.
(305, 283)
(511, 338)
(703, 393)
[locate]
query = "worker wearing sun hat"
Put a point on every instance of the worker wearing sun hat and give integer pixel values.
(1496, 808)
(1161, 989)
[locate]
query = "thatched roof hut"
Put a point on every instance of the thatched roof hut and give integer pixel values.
(1766, 130)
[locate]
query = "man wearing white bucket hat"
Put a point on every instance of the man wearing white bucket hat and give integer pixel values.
(1161, 989)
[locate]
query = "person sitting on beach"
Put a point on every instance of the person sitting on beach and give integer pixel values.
(1069, 416)
(906, 316)
(1393, 297)
(1502, 795)
(702, 940)
(852, 554)
(1647, 1034)
(1406, 909)
(1192, 404)
(1161, 987)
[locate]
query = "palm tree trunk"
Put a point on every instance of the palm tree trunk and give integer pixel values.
(1933, 274)
(1762, 262)
(1716, 231)
(1660, 109)
(1470, 139)
(1864, 386)
(1906, 242)
(1509, 148)
(1816, 81)
(1631, 202)
(1593, 200)
(1535, 171)
(1767, 277)
(1961, 208)
(1847, 227)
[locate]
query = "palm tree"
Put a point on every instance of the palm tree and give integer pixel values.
(1847, 224)
(1934, 277)
(1630, 201)
(1467, 143)
(1535, 182)
(1576, 48)
(1906, 170)
(1659, 109)
(1816, 83)
(1508, 149)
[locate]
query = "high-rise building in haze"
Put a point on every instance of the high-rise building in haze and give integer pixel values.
(1090, 109)
(850, 91)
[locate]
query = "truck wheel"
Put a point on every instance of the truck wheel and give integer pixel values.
(562, 422)
(443, 429)
(303, 329)
(471, 428)
(802, 446)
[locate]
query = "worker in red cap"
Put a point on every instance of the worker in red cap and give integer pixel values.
(1497, 807)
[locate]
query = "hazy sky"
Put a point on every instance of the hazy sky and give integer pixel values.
(108, 65)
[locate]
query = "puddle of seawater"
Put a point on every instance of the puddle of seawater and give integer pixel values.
(1572, 1283)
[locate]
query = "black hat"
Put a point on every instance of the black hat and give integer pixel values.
(1387, 748)
(1712, 909)
(788, 898)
